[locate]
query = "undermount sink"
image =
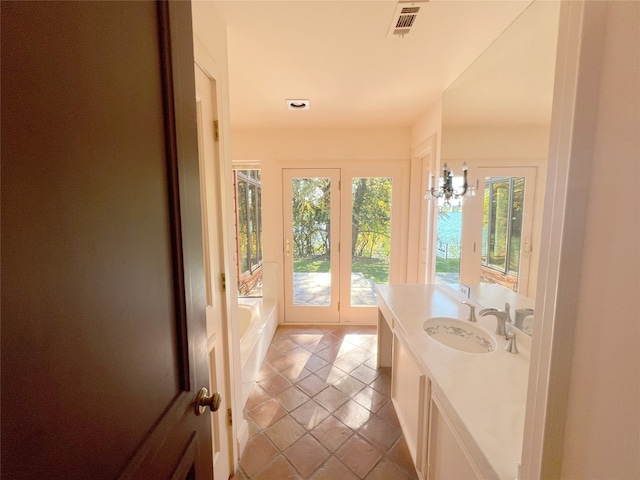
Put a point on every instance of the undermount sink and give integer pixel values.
(459, 335)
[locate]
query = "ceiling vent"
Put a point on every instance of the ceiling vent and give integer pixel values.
(404, 17)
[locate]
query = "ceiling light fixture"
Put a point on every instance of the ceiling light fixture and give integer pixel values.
(297, 104)
(446, 189)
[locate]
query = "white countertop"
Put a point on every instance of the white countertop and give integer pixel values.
(484, 395)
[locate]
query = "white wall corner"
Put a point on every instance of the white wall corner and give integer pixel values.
(572, 126)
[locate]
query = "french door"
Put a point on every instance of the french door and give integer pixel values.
(339, 242)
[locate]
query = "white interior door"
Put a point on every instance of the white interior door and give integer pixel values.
(339, 241)
(214, 269)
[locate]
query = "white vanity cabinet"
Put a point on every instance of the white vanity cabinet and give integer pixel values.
(410, 396)
(462, 414)
(432, 443)
(446, 457)
(434, 447)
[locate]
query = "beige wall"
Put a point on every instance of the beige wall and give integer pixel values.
(210, 29)
(428, 125)
(425, 154)
(602, 430)
(316, 146)
(498, 143)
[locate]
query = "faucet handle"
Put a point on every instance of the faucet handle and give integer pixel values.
(472, 311)
(511, 346)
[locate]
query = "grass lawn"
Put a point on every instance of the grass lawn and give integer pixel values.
(449, 265)
(372, 268)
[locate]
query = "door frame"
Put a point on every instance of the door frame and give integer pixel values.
(216, 309)
(400, 171)
(234, 414)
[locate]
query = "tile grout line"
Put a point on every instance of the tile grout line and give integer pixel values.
(285, 338)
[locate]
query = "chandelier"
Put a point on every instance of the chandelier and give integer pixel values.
(446, 190)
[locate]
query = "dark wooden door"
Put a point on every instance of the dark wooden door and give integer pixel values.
(103, 322)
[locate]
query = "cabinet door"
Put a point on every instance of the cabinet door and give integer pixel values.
(408, 394)
(446, 458)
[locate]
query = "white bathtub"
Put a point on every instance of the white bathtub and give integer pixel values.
(257, 322)
(247, 314)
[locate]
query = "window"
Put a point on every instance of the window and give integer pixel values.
(502, 230)
(249, 232)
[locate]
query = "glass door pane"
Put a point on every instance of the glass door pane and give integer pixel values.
(248, 232)
(311, 202)
(311, 249)
(371, 253)
(243, 227)
(515, 233)
(498, 224)
(370, 237)
(502, 230)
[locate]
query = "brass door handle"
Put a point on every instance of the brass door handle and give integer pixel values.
(204, 400)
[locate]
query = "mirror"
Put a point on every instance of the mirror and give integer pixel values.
(496, 120)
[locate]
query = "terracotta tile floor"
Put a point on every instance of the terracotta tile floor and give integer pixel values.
(321, 410)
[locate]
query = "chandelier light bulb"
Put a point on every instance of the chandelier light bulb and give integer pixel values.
(446, 189)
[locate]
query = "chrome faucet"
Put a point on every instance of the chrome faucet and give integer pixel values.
(521, 314)
(502, 316)
(472, 311)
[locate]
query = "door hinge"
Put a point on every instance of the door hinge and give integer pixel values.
(338, 306)
(216, 131)
(229, 417)
(223, 282)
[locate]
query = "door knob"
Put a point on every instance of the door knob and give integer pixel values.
(204, 400)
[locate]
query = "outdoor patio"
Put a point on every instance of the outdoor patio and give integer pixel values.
(314, 289)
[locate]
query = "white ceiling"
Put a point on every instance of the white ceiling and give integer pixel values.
(336, 53)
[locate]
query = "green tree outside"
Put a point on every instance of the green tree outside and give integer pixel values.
(371, 225)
